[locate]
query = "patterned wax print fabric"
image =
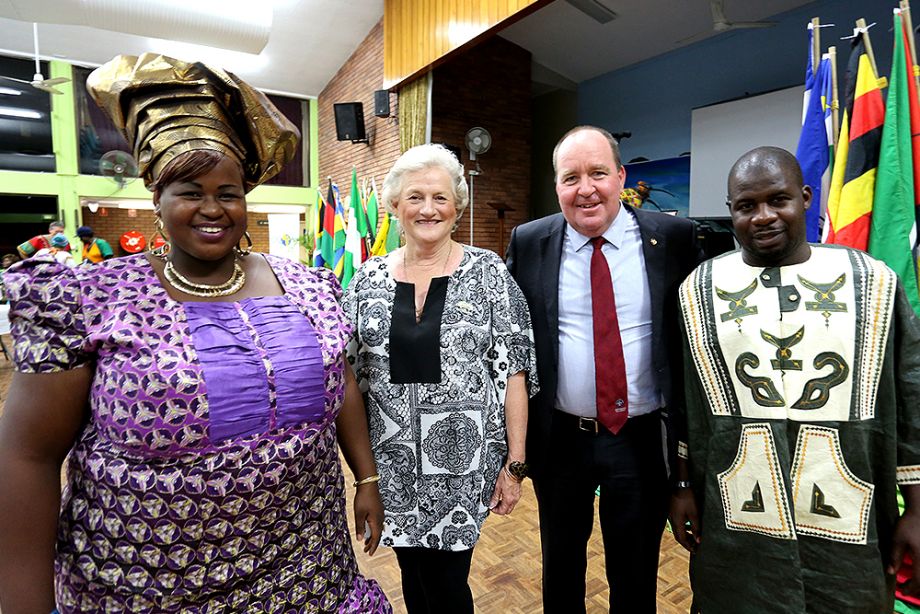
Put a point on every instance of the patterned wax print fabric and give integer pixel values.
(207, 478)
(34, 244)
(439, 446)
(801, 420)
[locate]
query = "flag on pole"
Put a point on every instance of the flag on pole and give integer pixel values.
(380, 243)
(354, 248)
(372, 207)
(338, 235)
(355, 234)
(813, 151)
(893, 231)
(327, 247)
(393, 240)
(318, 234)
(849, 205)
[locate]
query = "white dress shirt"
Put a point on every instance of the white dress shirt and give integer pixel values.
(575, 393)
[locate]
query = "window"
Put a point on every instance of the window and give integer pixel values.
(25, 119)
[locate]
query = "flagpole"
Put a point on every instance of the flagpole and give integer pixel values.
(835, 102)
(905, 15)
(864, 32)
(815, 44)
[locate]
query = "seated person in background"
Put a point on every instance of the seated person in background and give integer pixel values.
(95, 250)
(802, 374)
(34, 244)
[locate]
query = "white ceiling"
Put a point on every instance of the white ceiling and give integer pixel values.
(311, 39)
(309, 42)
(575, 46)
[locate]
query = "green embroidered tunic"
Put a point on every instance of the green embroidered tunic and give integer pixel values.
(803, 414)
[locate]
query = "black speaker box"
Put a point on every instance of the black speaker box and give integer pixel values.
(382, 103)
(349, 121)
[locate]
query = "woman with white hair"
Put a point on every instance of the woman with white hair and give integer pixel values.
(443, 352)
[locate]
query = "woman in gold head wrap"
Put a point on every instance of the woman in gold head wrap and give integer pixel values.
(198, 392)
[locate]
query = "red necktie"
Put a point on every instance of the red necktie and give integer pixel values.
(609, 364)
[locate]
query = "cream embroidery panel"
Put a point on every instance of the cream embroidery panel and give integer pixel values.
(752, 488)
(789, 347)
(829, 501)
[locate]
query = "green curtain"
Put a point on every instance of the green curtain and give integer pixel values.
(413, 113)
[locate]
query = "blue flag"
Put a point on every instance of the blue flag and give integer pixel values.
(813, 151)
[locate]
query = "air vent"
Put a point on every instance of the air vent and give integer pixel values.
(595, 9)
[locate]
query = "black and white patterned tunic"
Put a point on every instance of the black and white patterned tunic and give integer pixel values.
(439, 447)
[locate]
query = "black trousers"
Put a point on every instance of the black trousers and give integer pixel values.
(629, 468)
(435, 581)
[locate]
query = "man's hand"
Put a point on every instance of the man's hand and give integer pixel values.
(684, 519)
(907, 540)
(507, 494)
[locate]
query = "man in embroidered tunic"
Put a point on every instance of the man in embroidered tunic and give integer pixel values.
(802, 371)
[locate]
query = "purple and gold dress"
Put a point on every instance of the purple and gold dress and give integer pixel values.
(207, 478)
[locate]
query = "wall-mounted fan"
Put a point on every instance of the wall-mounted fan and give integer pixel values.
(478, 141)
(119, 166)
(38, 80)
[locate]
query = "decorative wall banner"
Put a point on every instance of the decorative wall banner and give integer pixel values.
(660, 185)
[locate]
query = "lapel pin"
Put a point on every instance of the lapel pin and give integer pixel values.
(654, 241)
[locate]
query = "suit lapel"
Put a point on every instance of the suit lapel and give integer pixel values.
(655, 249)
(551, 256)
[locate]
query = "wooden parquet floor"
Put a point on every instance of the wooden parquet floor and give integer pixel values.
(505, 576)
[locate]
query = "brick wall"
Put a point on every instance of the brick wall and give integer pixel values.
(488, 86)
(115, 222)
(356, 81)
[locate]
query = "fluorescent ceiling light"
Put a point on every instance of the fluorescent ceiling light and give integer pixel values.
(23, 113)
(8, 91)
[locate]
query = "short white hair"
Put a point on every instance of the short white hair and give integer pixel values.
(419, 158)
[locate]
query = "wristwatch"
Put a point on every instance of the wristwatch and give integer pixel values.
(517, 470)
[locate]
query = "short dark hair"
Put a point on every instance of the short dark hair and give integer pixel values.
(767, 156)
(84, 231)
(614, 146)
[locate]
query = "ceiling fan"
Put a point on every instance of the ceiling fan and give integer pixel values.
(721, 24)
(38, 80)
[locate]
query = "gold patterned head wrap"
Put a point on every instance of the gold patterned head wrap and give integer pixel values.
(166, 107)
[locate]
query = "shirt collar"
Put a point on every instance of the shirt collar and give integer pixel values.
(614, 233)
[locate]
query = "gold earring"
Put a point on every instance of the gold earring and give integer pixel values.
(248, 249)
(159, 231)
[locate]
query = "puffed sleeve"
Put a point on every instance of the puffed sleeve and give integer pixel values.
(46, 316)
(513, 347)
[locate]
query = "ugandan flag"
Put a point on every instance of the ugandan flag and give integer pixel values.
(849, 204)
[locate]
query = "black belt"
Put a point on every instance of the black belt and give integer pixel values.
(593, 425)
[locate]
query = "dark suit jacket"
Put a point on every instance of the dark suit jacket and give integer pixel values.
(534, 253)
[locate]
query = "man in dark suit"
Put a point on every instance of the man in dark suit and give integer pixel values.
(607, 360)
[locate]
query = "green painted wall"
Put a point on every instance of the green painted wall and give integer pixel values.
(69, 186)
